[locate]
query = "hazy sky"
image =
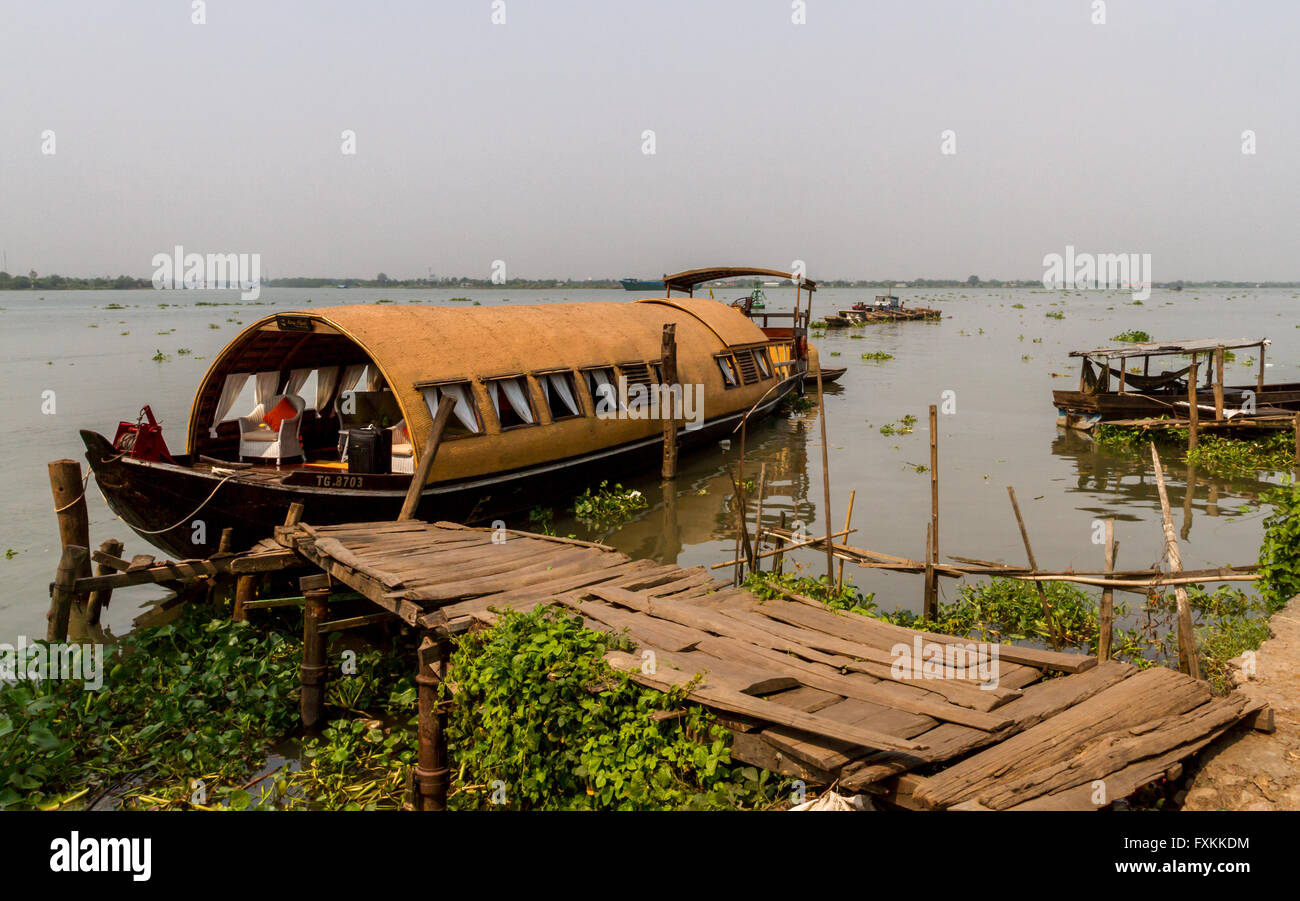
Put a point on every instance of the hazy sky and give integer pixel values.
(774, 141)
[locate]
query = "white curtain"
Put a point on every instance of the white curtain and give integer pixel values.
(230, 391)
(598, 389)
(463, 409)
(351, 376)
(264, 387)
(297, 378)
(327, 379)
(560, 382)
(514, 392)
(374, 378)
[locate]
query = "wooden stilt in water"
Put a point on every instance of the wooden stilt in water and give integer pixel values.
(932, 586)
(445, 406)
(1218, 384)
(1107, 614)
(779, 561)
(1187, 659)
(1033, 565)
(754, 565)
(245, 593)
(72, 561)
(1193, 412)
(669, 356)
(826, 483)
(312, 673)
(848, 524)
(431, 772)
(929, 597)
(99, 599)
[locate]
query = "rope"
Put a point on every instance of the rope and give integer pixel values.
(79, 497)
(195, 513)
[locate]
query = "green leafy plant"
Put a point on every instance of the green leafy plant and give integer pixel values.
(1133, 336)
(609, 505)
(541, 721)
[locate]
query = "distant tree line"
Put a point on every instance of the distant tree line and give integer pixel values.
(60, 282)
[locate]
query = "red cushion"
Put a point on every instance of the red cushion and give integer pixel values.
(279, 413)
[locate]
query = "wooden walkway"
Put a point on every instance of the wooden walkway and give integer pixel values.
(807, 692)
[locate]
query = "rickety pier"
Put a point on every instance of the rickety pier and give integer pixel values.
(806, 691)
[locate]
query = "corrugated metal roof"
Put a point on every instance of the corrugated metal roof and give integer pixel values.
(1182, 348)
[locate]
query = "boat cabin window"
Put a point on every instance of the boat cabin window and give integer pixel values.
(510, 400)
(602, 383)
(561, 394)
(764, 362)
(643, 374)
(730, 375)
(464, 420)
(748, 368)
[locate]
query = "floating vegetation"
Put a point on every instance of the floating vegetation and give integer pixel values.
(796, 403)
(160, 357)
(1017, 306)
(1133, 336)
(114, 306)
(184, 351)
(213, 325)
(1054, 314)
(10, 554)
(878, 356)
(459, 299)
(609, 506)
(904, 426)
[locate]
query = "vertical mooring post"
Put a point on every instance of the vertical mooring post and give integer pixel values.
(668, 353)
(848, 524)
(69, 493)
(1193, 412)
(431, 771)
(778, 561)
(1033, 565)
(316, 591)
(929, 611)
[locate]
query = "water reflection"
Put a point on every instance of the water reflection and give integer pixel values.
(1127, 480)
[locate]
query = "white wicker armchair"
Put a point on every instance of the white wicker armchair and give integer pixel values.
(258, 440)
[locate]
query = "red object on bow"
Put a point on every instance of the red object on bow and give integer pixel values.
(142, 440)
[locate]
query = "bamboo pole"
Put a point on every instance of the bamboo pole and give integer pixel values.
(1193, 412)
(1029, 552)
(826, 481)
(738, 494)
(1107, 615)
(848, 523)
(1188, 661)
(421, 476)
(784, 548)
(929, 598)
(758, 521)
(1259, 380)
(932, 584)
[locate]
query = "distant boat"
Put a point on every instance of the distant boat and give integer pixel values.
(636, 284)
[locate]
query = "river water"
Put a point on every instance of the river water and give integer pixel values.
(95, 351)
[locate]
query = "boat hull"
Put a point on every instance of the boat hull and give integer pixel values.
(184, 510)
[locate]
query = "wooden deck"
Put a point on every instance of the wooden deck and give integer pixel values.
(807, 692)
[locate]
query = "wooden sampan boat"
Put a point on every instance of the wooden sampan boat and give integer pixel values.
(526, 426)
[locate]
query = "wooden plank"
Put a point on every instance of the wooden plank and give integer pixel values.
(737, 702)
(1146, 696)
(754, 749)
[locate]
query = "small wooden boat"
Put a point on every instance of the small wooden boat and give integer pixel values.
(527, 424)
(1108, 391)
(886, 308)
(832, 373)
